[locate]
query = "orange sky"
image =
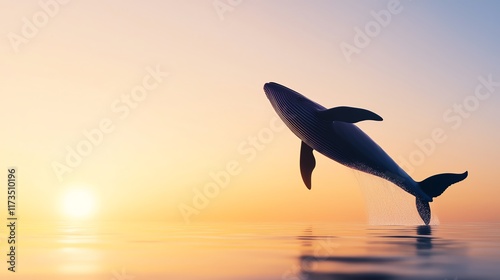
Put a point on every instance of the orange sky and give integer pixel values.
(176, 90)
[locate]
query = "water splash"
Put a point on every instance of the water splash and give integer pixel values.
(387, 204)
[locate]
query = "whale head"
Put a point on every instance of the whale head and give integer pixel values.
(278, 93)
(288, 102)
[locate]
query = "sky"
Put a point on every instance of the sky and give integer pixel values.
(155, 109)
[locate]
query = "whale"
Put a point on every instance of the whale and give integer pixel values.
(334, 134)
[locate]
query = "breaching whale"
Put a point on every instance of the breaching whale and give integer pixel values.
(332, 132)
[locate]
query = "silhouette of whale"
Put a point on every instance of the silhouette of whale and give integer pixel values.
(332, 133)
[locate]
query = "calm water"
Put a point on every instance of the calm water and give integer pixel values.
(256, 251)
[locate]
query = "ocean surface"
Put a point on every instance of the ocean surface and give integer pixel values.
(314, 251)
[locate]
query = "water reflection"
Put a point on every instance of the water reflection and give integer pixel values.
(259, 252)
(424, 239)
(415, 254)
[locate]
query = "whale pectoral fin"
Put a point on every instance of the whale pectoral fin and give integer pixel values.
(349, 114)
(307, 163)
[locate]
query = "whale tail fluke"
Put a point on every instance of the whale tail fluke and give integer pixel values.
(434, 186)
(424, 210)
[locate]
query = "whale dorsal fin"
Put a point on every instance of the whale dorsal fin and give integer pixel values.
(348, 114)
(307, 163)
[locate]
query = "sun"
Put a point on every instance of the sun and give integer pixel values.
(78, 202)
